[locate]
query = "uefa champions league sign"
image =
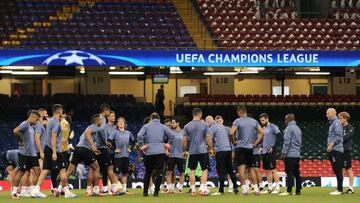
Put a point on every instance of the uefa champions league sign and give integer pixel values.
(178, 58)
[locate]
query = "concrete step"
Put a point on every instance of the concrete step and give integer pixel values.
(195, 26)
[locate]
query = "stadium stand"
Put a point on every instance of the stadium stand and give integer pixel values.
(246, 25)
(104, 24)
(81, 106)
(277, 9)
(345, 9)
(266, 100)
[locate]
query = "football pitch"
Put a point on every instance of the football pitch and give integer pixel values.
(309, 195)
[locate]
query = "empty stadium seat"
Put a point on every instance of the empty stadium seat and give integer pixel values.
(103, 24)
(274, 25)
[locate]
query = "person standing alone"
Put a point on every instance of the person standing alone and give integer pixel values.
(335, 148)
(291, 154)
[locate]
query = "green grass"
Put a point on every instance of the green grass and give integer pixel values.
(309, 195)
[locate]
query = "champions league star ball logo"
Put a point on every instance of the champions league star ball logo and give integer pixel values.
(74, 57)
(308, 183)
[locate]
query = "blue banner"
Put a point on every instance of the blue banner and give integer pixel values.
(178, 58)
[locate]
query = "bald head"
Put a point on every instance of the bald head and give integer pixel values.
(330, 113)
(289, 117)
(209, 120)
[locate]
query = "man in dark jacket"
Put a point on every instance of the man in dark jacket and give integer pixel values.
(153, 135)
(159, 101)
(344, 118)
(291, 154)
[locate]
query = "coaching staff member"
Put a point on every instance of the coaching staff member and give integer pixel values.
(154, 135)
(291, 154)
(335, 148)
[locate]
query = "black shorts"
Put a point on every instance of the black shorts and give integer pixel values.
(38, 155)
(202, 158)
(49, 164)
(166, 161)
(112, 155)
(27, 162)
(244, 156)
(269, 161)
(6, 163)
(235, 168)
(121, 165)
(104, 158)
(66, 156)
(347, 159)
(82, 154)
(179, 162)
(257, 161)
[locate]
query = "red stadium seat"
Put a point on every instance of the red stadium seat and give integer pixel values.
(307, 32)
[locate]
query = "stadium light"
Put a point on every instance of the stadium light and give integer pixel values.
(220, 73)
(126, 73)
(312, 73)
(255, 68)
(5, 71)
(18, 67)
(175, 70)
(249, 72)
(29, 73)
(112, 68)
(315, 69)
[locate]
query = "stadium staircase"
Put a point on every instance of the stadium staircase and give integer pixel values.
(194, 24)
